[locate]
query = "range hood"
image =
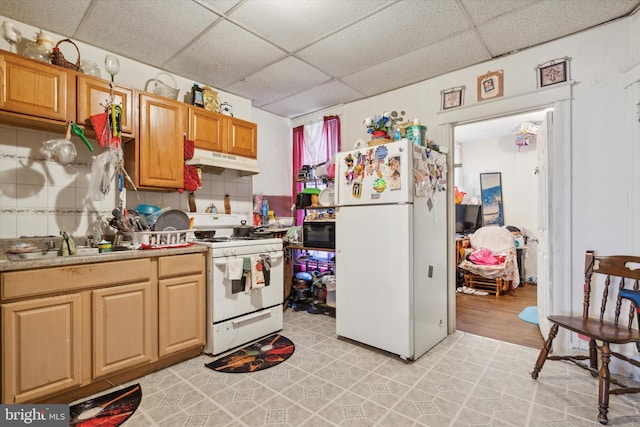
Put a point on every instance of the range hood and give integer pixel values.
(215, 162)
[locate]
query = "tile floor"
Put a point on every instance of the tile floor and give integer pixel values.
(466, 380)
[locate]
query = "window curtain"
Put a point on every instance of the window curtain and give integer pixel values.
(313, 144)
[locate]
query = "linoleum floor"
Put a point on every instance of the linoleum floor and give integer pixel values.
(466, 380)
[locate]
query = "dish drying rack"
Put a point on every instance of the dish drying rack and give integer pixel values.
(160, 239)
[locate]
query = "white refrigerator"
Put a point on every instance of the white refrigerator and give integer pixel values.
(391, 247)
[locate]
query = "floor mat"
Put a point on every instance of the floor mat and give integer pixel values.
(529, 314)
(260, 355)
(108, 410)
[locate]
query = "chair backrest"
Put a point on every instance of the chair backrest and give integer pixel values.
(493, 237)
(620, 273)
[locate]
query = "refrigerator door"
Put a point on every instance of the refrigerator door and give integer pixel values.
(374, 277)
(375, 175)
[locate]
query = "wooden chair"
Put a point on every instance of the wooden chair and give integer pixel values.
(613, 324)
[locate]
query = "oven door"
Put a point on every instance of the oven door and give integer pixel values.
(230, 299)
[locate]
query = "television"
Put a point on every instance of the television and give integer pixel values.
(468, 218)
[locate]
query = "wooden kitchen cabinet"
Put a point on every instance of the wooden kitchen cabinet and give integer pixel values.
(73, 328)
(181, 287)
(41, 347)
(36, 91)
(155, 160)
(123, 318)
(93, 95)
(207, 129)
(223, 134)
(242, 137)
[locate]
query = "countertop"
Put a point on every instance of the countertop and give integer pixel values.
(6, 265)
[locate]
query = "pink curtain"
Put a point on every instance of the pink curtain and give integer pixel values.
(298, 161)
(330, 135)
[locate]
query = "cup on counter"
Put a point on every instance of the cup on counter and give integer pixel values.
(104, 246)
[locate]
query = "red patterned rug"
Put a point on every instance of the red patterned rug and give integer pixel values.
(109, 410)
(260, 355)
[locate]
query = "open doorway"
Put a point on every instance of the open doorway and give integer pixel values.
(498, 146)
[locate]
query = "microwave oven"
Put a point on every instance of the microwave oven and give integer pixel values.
(319, 234)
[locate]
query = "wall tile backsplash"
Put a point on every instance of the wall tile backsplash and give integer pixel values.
(39, 197)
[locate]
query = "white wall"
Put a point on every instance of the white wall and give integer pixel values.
(275, 143)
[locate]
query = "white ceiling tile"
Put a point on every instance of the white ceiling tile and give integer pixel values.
(293, 24)
(481, 11)
(221, 6)
(300, 45)
(278, 80)
(53, 16)
(455, 53)
(159, 29)
(547, 20)
(318, 98)
(224, 55)
(395, 31)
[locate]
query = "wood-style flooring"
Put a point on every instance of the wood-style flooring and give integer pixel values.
(497, 318)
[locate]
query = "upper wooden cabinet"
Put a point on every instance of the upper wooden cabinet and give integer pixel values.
(242, 137)
(207, 129)
(36, 89)
(93, 95)
(156, 157)
(224, 134)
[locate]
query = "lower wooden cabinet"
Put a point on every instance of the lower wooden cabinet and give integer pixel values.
(122, 327)
(181, 303)
(149, 311)
(41, 347)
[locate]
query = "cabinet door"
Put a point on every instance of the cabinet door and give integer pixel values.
(160, 142)
(41, 347)
(123, 318)
(93, 95)
(242, 138)
(34, 88)
(181, 303)
(206, 129)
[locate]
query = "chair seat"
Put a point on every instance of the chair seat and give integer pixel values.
(594, 328)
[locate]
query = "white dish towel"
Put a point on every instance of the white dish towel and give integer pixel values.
(233, 269)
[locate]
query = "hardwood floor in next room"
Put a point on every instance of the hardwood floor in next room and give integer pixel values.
(497, 318)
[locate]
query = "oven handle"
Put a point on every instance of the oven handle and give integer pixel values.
(224, 261)
(251, 317)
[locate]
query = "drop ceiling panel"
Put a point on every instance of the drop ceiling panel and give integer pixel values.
(396, 30)
(279, 51)
(221, 6)
(451, 54)
(278, 80)
(224, 55)
(55, 16)
(481, 11)
(292, 24)
(159, 29)
(323, 96)
(547, 20)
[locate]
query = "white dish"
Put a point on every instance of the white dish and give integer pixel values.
(172, 219)
(327, 196)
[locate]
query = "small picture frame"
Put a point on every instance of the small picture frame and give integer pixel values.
(553, 72)
(453, 97)
(490, 85)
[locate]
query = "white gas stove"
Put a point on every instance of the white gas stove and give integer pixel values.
(239, 312)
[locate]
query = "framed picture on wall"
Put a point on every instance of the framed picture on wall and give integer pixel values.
(491, 195)
(453, 97)
(553, 72)
(490, 85)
